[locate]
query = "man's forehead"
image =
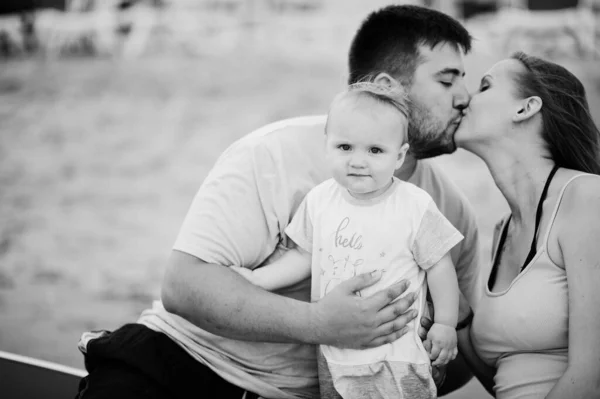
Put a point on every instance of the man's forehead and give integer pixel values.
(443, 58)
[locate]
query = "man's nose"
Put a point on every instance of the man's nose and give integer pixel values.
(462, 97)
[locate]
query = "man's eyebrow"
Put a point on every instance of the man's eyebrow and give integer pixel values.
(451, 71)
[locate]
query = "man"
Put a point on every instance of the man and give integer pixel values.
(216, 332)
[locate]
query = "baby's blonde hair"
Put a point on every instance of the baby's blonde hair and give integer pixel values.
(393, 95)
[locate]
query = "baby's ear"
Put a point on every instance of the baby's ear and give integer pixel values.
(402, 155)
(404, 148)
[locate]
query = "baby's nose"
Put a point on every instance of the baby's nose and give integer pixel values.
(358, 161)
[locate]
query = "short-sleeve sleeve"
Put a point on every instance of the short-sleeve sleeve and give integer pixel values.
(300, 229)
(435, 236)
(231, 219)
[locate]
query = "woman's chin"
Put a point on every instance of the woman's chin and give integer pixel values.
(461, 135)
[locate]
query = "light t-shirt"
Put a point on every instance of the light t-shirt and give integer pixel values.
(238, 217)
(401, 233)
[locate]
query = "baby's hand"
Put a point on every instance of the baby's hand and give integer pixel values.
(443, 344)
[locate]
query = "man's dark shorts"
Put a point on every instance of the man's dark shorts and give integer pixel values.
(137, 362)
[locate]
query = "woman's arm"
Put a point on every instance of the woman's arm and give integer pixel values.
(293, 266)
(483, 372)
(578, 234)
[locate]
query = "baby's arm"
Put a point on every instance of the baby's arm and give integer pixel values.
(293, 267)
(443, 287)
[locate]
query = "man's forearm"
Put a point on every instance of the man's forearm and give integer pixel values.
(222, 302)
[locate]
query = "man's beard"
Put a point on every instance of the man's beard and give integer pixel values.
(428, 137)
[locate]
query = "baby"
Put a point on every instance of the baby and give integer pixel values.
(363, 220)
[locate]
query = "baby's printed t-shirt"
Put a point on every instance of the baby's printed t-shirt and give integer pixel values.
(401, 232)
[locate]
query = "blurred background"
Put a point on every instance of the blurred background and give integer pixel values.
(112, 113)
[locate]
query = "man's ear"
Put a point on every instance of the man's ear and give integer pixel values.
(402, 155)
(386, 79)
(528, 108)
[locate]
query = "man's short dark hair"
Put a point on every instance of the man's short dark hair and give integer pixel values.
(388, 41)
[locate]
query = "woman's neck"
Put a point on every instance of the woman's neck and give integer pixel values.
(520, 175)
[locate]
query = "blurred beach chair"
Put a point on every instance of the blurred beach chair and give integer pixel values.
(11, 35)
(137, 23)
(17, 24)
(78, 27)
(302, 5)
(197, 28)
(24, 377)
(57, 26)
(548, 19)
(84, 27)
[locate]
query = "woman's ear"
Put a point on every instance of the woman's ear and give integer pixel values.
(402, 155)
(528, 108)
(385, 79)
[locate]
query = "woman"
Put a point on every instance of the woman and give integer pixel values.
(536, 330)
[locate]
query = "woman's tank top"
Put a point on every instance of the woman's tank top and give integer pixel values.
(523, 330)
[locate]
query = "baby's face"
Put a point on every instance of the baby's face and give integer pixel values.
(364, 146)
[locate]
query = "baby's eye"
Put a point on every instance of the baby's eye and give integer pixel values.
(344, 147)
(376, 150)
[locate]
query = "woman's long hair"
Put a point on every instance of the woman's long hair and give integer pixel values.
(570, 133)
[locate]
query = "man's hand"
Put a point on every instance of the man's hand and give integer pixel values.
(346, 320)
(426, 323)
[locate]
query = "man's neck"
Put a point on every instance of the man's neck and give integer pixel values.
(407, 169)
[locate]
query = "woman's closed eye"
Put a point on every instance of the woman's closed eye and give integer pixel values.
(485, 84)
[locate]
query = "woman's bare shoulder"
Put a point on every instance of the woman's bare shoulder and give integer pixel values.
(579, 205)
(581, 191)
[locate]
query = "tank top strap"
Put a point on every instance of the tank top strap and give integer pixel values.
(557, 206)
(538, 217)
